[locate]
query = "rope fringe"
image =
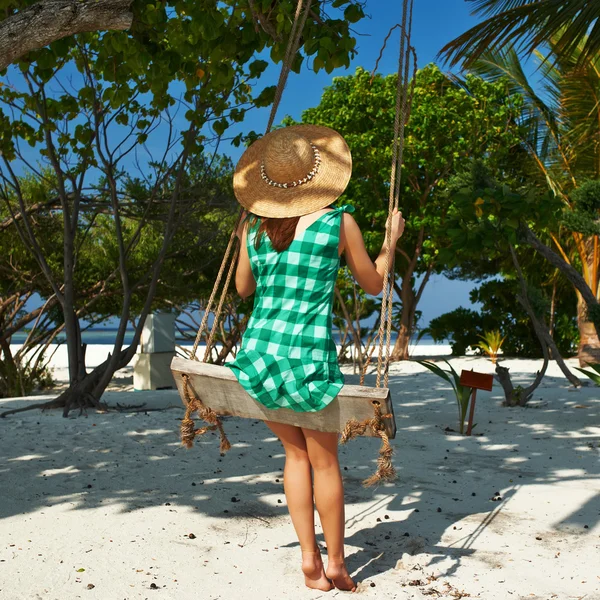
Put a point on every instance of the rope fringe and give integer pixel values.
(353, 428)
(188, 427)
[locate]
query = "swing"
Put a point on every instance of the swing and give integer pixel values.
(213, 391)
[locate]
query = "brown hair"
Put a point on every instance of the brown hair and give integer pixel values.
(281, 232)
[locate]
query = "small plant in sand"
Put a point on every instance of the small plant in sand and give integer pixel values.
(491, 344)
(593, 375)
(462, 392)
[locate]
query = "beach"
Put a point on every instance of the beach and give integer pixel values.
(109, 505)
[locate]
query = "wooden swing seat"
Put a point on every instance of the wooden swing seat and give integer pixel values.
(218, 388)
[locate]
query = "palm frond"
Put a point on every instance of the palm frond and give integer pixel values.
(595, 377)
(540, 127)
(526, 25)
(580, 112)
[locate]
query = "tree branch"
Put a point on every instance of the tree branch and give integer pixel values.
(570, 272)
(50, 20)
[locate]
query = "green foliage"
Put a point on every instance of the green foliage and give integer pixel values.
(23, 376)
(461, 327)
(207, 218)
(560, 129)
(447, 125)
(202, 53)
(121, 125)
(461, 392)
(583, 215)
(594, 375)
(485, 216)
(500, 310)
(586, 198)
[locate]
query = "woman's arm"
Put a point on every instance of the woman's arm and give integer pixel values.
(244, 278)
(369, 276)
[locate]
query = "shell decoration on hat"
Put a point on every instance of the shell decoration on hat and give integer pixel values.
(293, 171)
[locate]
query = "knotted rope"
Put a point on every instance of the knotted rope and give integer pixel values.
(187, 428)
(385, 469)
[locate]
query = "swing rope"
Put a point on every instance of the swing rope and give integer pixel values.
(193, 403)
(395, 180)
(403, 103)
(385, 470)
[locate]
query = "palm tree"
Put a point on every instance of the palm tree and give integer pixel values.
(527, 25)
(561, 133)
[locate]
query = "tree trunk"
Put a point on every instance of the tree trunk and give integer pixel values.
(519, 396)
(589, 344)
(8, 370)
(77, 395)
(350, 325)
(75, 351)
(407, 320)
(580, 284)
(49, 20)
(410, 301)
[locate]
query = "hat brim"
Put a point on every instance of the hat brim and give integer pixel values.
(264, 200)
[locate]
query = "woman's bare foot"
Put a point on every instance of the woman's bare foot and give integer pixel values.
(314, 573)
(338, 573)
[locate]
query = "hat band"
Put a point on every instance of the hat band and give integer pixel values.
(292, 184)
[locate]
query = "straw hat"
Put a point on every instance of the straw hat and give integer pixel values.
(293, 171)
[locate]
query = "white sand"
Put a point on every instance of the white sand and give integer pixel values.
(109, 500)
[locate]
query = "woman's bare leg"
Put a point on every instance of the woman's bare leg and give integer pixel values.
(297, 484)
(322, 451)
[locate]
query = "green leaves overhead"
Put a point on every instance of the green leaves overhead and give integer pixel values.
(213, 51)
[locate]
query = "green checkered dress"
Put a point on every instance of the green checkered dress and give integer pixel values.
(288, 358)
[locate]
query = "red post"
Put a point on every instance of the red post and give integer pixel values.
(476, 381)
(472, 411)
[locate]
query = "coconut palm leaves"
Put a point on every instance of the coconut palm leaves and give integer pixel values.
(527, 25)
(539, 118)
(560, 130)
(462, 393)
(560, 117)
(593, 375)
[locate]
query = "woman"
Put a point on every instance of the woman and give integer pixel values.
(291, 243)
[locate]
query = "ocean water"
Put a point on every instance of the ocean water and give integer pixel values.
(107, 336)
(95, 337)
